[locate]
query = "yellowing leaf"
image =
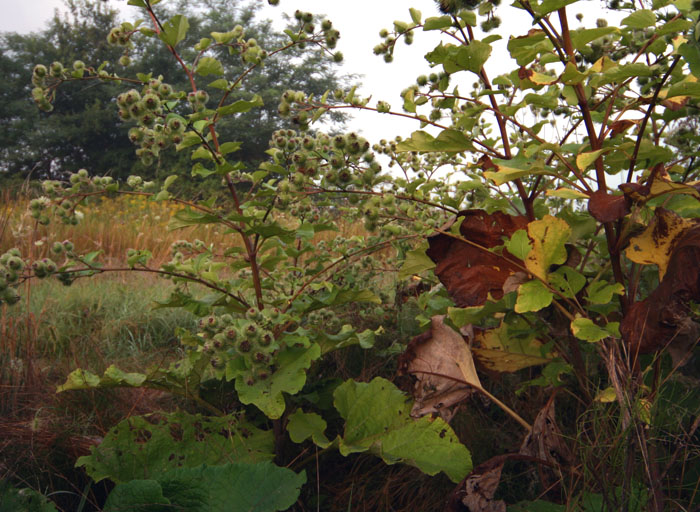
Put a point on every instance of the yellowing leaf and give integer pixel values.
(541, 78)
(501, 351)
(585, 160)
(606, 395)
(655, 244)
(548, 238)
(567, 193)
(505, 173)
(603, 64)
(663, 186)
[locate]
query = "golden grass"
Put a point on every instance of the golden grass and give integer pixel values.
(115, 225)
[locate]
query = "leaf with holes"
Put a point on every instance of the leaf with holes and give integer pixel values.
(377, 419)
(147, 446)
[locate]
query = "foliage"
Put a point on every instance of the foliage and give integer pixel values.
(23, 499)
(261, 487)
(542, 262)
(84, 130)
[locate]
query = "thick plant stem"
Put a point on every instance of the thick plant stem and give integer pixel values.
(596, 144)
(524, 196)
(250, 251)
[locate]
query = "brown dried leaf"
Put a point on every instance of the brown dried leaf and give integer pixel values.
(675, 103)
(545, 441)
(477, 490)
(605, 207)
(514, 281)
(621, 126)
(524, 73)
(663, 318)
(470, 272)
(486, 163)
(441, 361)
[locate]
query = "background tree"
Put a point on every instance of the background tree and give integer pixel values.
(84, 129)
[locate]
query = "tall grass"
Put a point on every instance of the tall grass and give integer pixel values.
(114, 225)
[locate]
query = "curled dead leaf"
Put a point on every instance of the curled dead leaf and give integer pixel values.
(545, 441)
(441, 362)
(622, 126)
(469, 271)
(486, 163)
(524, 73)
(606, 207)
(475, 493)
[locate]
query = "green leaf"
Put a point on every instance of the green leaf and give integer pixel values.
(618, 74)
(169, 181)
(174, 30)
(209, 66)
(601, 292)
(469, 18)
(567, 281)
(450, 141)
(137, 496)
(473, 56)
(509, 170)
(223, 37)
(416, 15)
(220, 83)
(519, 244)
(460, 58)
(437, 23)
(525, 49)
(585, 329)
(581, 37)
(147, 446)
(533, 296)
(641, 18)
(673, 27)
(691, 54)
(548, 236)
(240, 106)
(229, 147)
(475, 314)
(346, 337)
(415, 263)
(548, 6)
(237, 487)
(691, 89)
(23, 499)
(184, 218)
(188, 140)
(303, 425)
(290, 376)
(79, 379)
(377, 419)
